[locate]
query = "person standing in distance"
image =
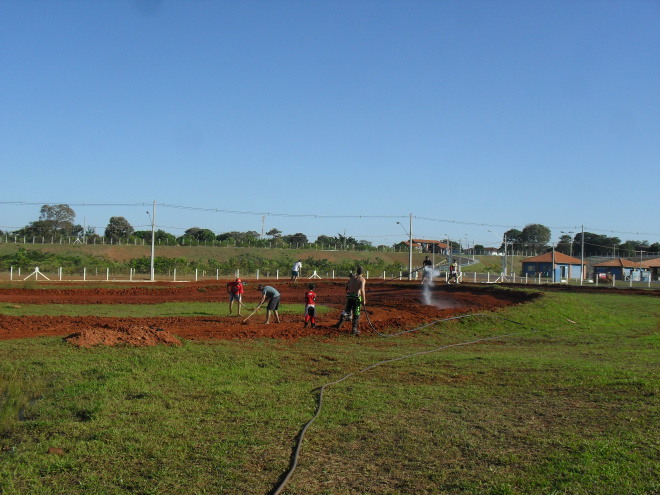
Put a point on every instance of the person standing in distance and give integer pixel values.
(355, 297)
(295, 271)
(453, 273)
(273, 296)
(427, 271)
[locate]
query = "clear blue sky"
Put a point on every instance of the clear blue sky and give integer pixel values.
(471, 115)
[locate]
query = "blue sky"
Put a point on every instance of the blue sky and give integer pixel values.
(333, 116)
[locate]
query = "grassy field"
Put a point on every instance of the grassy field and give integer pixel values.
(200, 253)
(137, 311)
(568, 404)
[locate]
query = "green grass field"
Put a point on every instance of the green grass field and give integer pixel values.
(569, 404)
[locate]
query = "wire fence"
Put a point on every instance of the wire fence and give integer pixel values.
(95, 275)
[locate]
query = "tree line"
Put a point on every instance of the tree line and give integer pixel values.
(57, 221)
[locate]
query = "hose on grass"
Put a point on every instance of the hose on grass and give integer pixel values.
(296, 452)
(437, 321)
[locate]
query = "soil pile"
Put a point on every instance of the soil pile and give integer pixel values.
(133, 335)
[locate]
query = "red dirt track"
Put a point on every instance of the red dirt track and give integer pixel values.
(391, 306)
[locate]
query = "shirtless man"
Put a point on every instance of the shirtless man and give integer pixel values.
(355, 297)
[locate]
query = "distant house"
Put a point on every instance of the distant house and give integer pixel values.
(491, 251)
(428, 246)
(543, 265)
(652, 265)
(622, 269)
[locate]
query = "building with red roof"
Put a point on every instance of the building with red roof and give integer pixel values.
(546, 264)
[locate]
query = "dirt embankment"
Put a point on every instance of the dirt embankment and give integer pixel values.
(391, 306)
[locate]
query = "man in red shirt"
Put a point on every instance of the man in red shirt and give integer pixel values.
(235, 291)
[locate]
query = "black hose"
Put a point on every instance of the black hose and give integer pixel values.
(294, 458)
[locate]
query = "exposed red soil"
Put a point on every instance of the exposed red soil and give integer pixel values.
(391, 307)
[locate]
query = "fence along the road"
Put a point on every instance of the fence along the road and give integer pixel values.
(95, 275)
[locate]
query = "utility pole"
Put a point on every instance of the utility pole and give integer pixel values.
(409, 232)
(153, 242)
(582, 258)
(410, 251)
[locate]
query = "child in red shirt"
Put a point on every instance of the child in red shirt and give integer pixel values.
(310, 306)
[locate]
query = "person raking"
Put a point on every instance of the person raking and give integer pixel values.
(235, 291)
(271, 295)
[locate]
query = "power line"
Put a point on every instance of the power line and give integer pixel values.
(308, 215)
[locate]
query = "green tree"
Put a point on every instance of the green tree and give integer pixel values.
(536, 237)
(327, 240)
(513, 236)
(564, 244)
(59, 217)
(118, 228)
(296, 239)
(163, 237)
(200, 235)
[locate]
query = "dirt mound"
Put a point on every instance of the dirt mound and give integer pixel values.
(133, 335)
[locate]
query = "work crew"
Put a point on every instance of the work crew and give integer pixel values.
(310, 306)
(355, 297)
(273, 296)
(295, 271)
(427, 271)
(235, 291)
(453, 273)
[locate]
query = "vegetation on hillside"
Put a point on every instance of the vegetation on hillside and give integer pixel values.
(249, 262)
(56, 225)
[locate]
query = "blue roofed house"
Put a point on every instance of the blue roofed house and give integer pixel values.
(544, 265)
(621, 269)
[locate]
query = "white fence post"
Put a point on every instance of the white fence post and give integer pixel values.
(84, 273)
(217, 273)
(175, 275)
(11, 273)
(257, 273)
(195, 274)
(107, 274)
(277, 274)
